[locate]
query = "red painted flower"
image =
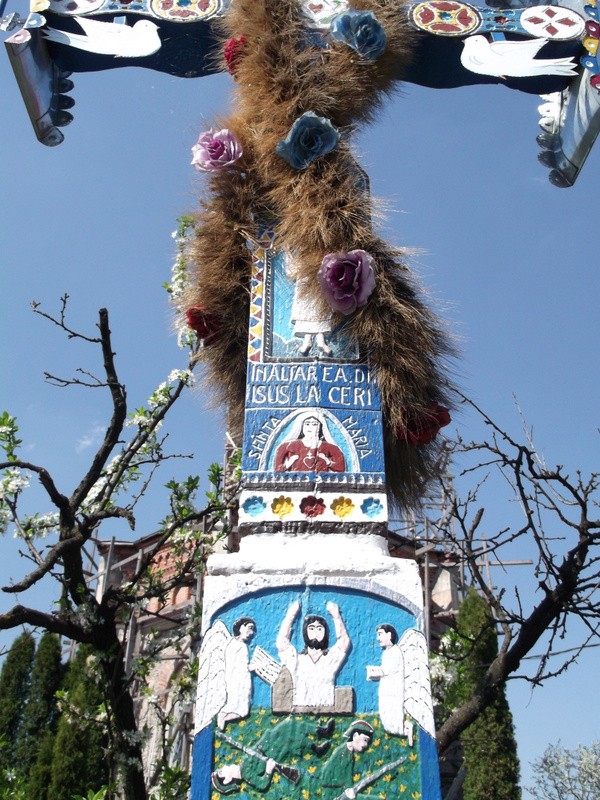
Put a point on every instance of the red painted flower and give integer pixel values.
(424, 429)
(312, 506)
(205, 325)
(233, 52)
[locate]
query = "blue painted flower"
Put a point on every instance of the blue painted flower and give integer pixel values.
(310, 137)
(372, 507)
(254, 505)
(360, 30)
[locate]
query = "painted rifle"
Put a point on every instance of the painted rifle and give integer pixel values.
(290, 773)
(369, 780)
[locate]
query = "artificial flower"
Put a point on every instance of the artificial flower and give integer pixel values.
(216, 150)
(282, 506)
(233, 52)
(253, 506)
(372, 507)
(205, 325)
(342, 507)
(424, 429)
(312, 506)
(347, 280)
(309, 137)
(360, 30)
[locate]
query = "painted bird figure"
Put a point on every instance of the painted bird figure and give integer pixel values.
(110, 38)
(515, 59)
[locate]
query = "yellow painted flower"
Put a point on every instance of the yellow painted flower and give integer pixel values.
(293, 761)
(379, 762)
(276, 777)
(356, 778)
(376, 742)
(416, 795)
(307, 757)
(387, 778)
(311, 736)
(403, 742)
(382, 795)
(342, 507)
(282, 506)
(242, 723)
(312, 770)
(402, 787)
(217, 744)
(305, 794)
(413, 756)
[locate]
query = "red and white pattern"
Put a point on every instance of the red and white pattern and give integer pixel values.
(552, 22)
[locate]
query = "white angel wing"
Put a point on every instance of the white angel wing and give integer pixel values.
(417, 688)
(211, 694)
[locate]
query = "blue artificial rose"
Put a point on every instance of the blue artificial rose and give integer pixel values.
(360, 30)
(310, 137)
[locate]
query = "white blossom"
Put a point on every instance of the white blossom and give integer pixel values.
(13, 481)
(186, 376)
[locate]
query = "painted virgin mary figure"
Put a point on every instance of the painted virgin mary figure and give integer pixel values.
(310, 448)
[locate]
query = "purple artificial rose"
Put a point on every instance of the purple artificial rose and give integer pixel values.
(347, 280)
(216, 150)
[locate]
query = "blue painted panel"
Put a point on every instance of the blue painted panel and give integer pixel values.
(361, 613)
(311, 739)
(292, 318)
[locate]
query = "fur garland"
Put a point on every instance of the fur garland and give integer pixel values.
(321, 209)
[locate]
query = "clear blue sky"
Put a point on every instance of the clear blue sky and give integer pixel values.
(510, 262)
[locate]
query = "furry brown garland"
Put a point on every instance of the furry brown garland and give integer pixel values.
(281, 75)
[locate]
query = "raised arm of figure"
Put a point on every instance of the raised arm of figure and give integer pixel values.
(283, 640)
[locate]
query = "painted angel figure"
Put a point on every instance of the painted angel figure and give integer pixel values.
(224, 674)
(403, 677)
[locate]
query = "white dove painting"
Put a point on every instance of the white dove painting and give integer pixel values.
(110, 38)
(514, 59)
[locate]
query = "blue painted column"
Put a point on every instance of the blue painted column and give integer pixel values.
(313, 676)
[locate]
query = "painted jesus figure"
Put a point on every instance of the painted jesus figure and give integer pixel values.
(315, 668)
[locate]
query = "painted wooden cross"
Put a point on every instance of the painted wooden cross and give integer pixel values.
(313, 678)
(458, 44)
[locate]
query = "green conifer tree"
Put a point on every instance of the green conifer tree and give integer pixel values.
(40, 712)
(40, 773)
(78, 760)
(14, 691)
(490, 749)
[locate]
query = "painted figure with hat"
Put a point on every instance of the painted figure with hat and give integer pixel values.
(337, 775)
(268, 764)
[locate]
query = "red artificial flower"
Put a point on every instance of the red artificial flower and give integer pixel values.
(205, 325)
(424, 429)
(233, 52)
(312, 506)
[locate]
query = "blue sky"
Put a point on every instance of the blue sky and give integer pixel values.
(509, 261)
